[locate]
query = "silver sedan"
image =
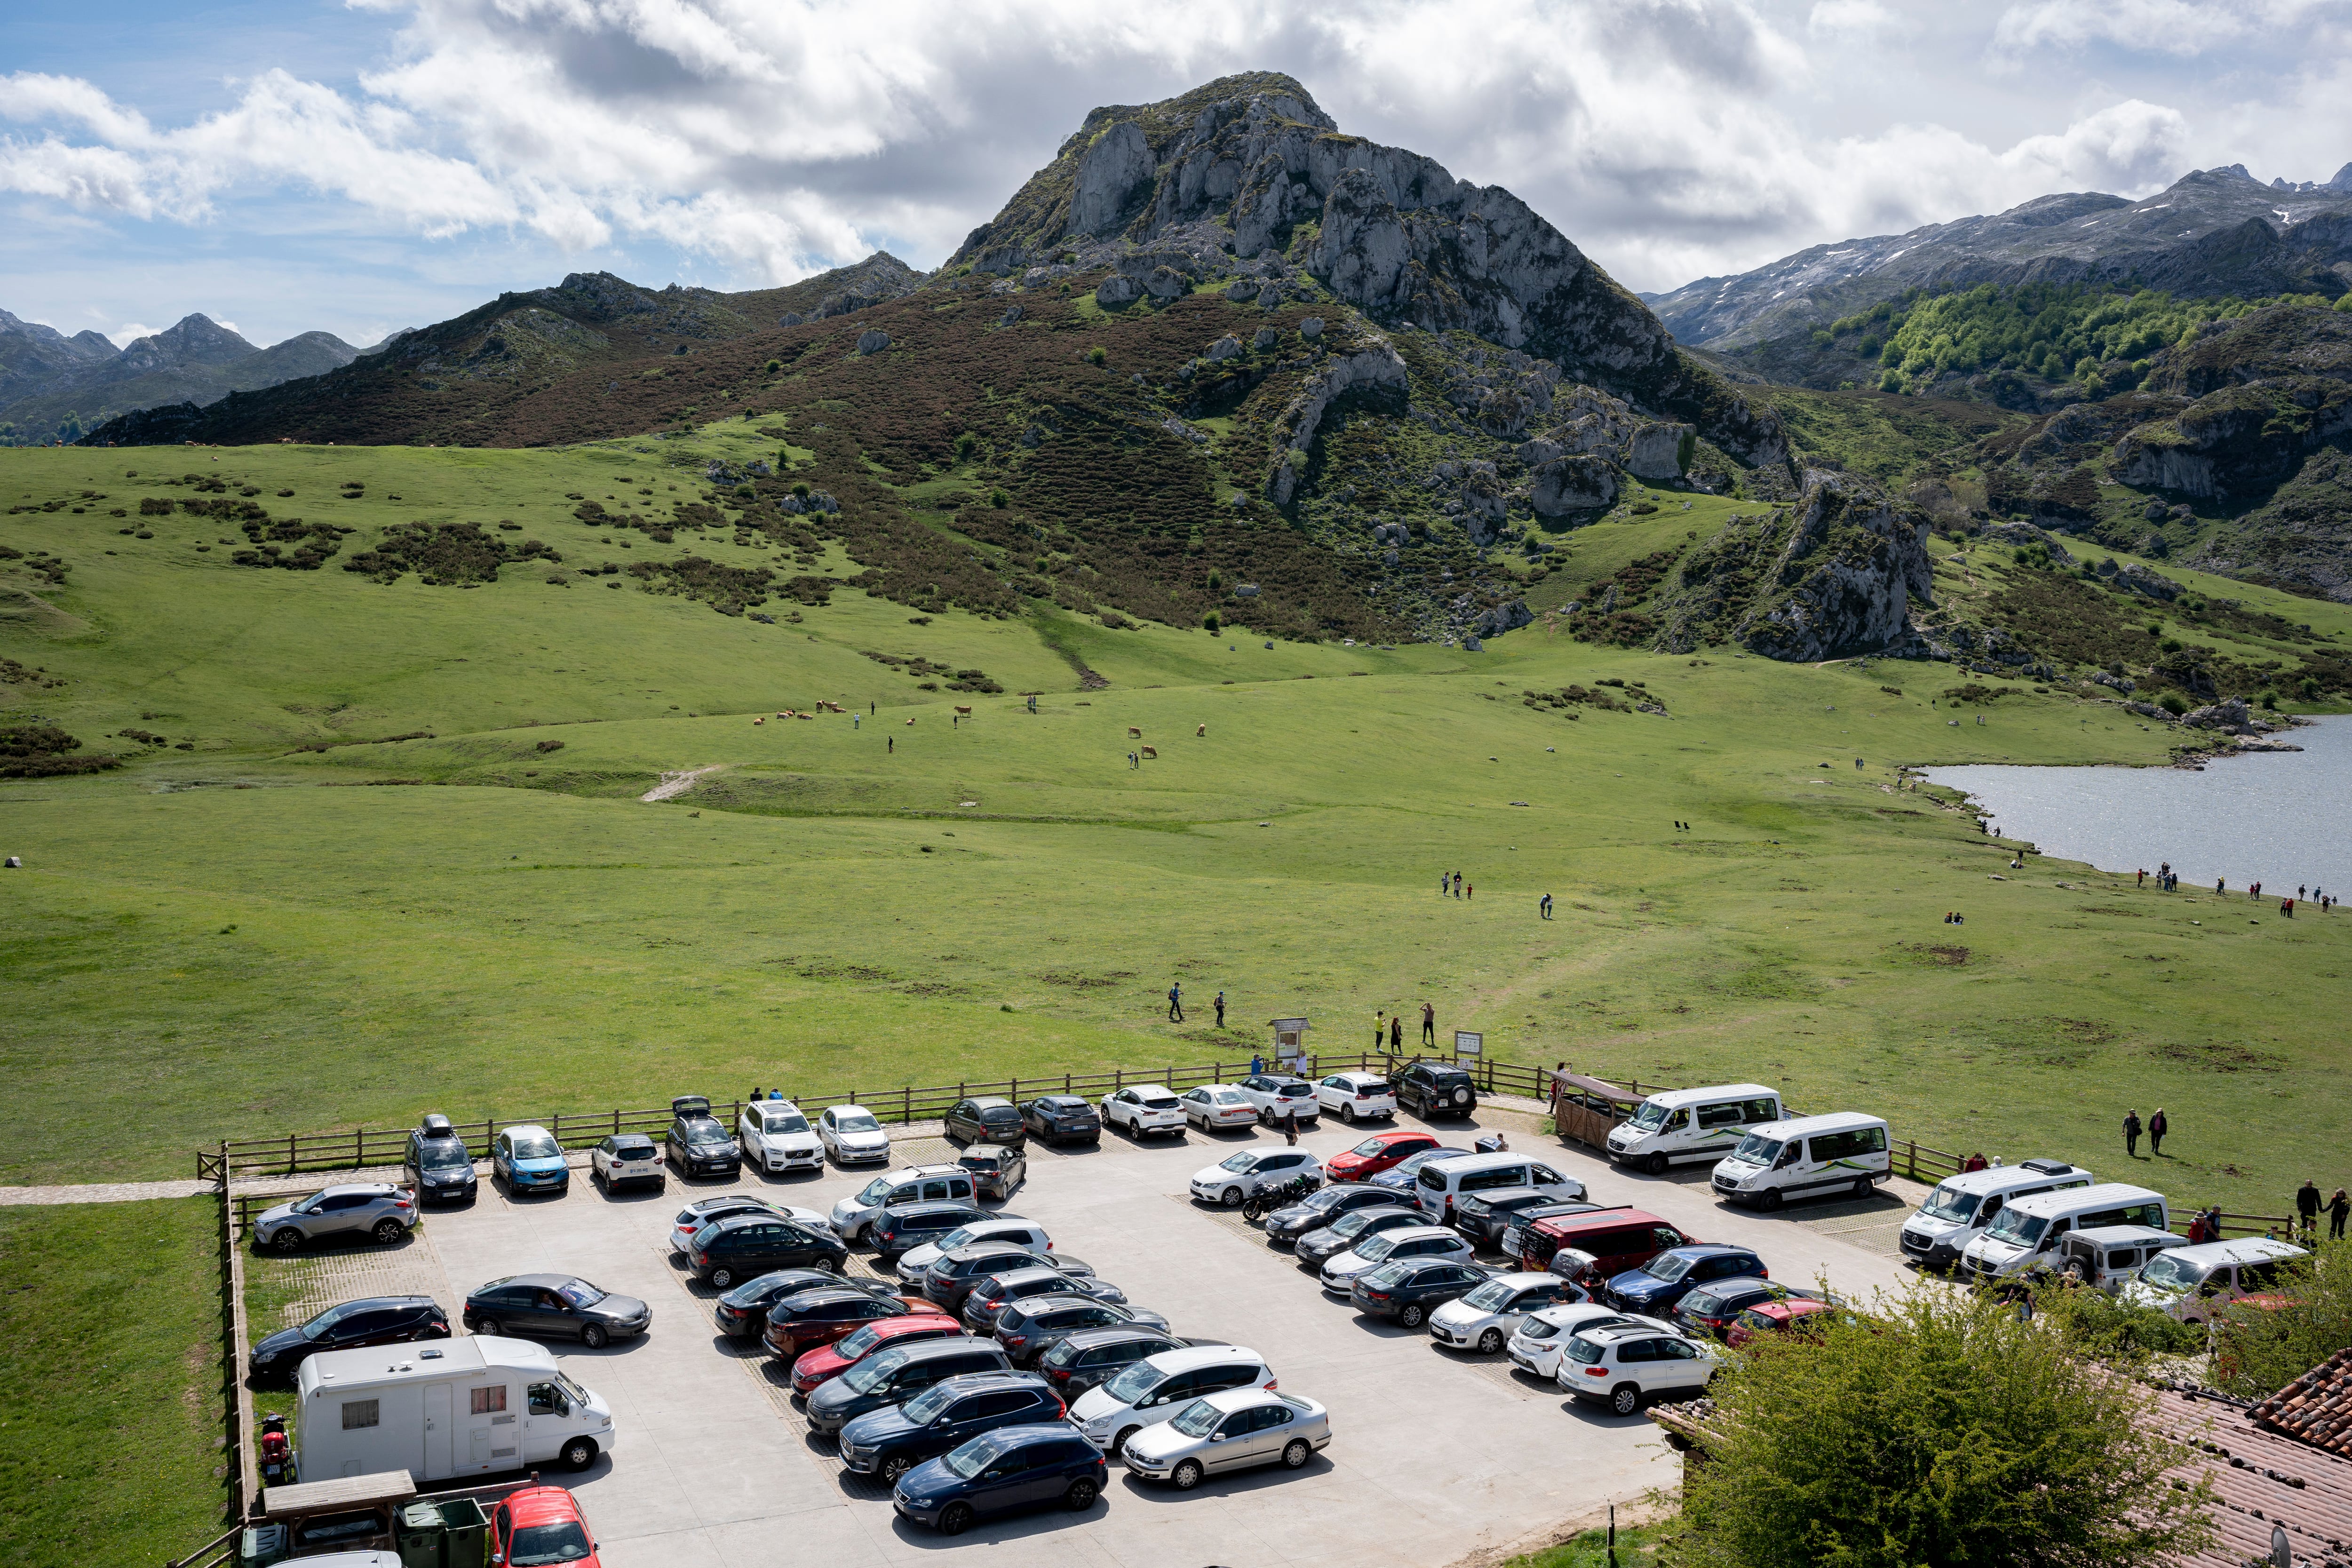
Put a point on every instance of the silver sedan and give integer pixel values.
(1229, 1431)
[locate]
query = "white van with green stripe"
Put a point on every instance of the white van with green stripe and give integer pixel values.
(1842, 1152)
(1690, 1124)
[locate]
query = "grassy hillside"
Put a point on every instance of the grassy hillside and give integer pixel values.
(496, 929)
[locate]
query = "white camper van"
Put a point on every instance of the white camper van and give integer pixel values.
(468, 1407)
(1691, 1124)
(1958, 1212)
(2024, 1239)
(1843, 1152)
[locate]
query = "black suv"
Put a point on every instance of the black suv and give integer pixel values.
(902, 1228)
(888, 1442)
(1092, 1357)
(744, 1244)
(375, 1321)
(988, 1120)
(1061, 1119)
(1429, 1089)
(437, 1162)
(697, 1141)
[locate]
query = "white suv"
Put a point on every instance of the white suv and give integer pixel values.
(1236, 1177)
(1536, 1344)
(776, 1137)
(1213, 1106)
(1490, 1313)
(1142, 1107)
(912, 1184)
(1622, 1368)
(1357, 1096)
(1153, 1389)
(1411, 1241)
(1279, 1096)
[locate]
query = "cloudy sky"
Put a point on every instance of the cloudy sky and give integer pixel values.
(363, 167)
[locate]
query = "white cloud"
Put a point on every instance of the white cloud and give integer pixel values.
(130, 333)
(1855, 17)
(2185, 27)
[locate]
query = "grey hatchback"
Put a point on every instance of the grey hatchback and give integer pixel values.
(987, 1119)
(345, 1212)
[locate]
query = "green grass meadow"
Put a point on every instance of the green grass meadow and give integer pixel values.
(270, 939)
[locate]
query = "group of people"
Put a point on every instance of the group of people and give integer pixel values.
(1451, 881)
(2169, 881)
(1176, 1004)
(2308, 1208)
(2157, 1128)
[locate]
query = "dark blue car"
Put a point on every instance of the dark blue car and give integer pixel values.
(1655, 1288)
(893, 1440)
(1399, 1177)
(1012, 1468)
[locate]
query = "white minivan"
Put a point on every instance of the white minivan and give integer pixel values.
(1957, 1211)
(472, 1406)
(1441, 1184)
(2024, 1239)
(1842, 1152)
(1689, 1124)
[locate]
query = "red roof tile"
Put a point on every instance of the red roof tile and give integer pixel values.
(2316, 1408)
(2261, 1479)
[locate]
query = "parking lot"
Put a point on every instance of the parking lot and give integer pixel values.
(1433, 1455)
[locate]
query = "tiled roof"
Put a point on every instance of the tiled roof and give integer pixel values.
(2261, 1479)
(2316, 1408)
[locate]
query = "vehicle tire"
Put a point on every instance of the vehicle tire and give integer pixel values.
(1297, 1453)
(894, 1466)
(1081, 1495)
(955, 1518)
(832, 1264)
(1625, 1399)
(1861, 1185)
(1410, 1316)
(1118, 1443)
(1771, 1201)
(287, 1239)
(579, 1454)
(388, 1231)
(1462, 1098)
(488, 1326)
(595, 1338)
(1186, 1476)
(1655, 1165)
(722, 1279)
(1347, 1114)
(1490, 1341)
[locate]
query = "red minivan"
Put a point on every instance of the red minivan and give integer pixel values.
(1614, 1240)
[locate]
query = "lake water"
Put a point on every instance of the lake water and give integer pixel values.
(2280, 819)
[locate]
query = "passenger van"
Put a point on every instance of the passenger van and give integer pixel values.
(1688, 1124)
(2111, 1256)
(1604, 1243)
(465, 1407)
(2193, 1282)
(2027, 1234)
(1958, 1212)
(1843, 1152)
(1441, 1183)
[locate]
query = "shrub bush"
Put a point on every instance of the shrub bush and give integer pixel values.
(2172, 702)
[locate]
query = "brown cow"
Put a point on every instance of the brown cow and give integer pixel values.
(1150, 752)
(1133, 733)
(1202, 730)
(963, 710)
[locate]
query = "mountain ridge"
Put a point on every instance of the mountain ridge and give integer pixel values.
(61, 391)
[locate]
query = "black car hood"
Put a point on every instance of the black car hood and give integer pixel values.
(615, 1308)
(279, 1343)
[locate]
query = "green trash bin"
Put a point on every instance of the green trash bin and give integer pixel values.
(465, 1534)
(421, 1536)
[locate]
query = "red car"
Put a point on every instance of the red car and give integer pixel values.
(541, 1525)
(830, 1361)
(819, 1317)
(1773, 1318)
(1377, 1153)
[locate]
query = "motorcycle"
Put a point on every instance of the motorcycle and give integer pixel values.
(276, 1457)
(1266, 1200)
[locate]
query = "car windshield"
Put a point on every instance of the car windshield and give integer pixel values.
(878, 1189)
(1668, 1267)
(2166, 1272)
(1701, 1303)
(536, 1545)
(1949, 1203)
(1380, 1247)
(869, 1373)
(1370, 1146)
(858, 1343)
(1241, 1161)
(1352, 1223)
(1132, 1384)
(925, 1407)
(538, 1146)
(1197, 1419)
(317, 1327)
(1650, 1117)
(1757, 1150)
(2017, 1226)
(579, 1292)
(977, 1455)
(854, 1122)
(787, 1122)
(1491, 1297)
(444, 1154)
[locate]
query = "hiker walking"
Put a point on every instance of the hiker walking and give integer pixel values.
(2140, 877)
(1220, 1018)
(1444, 882)
(1175, 1003)
(1428, 1025)
(2307, 1206)
(1396, 1034)
(890, 744)
(1380, 1025)
(2157, 1128)
(1547, 906)
(2131, 1133)
(2340, 1209)
(1291, 1127)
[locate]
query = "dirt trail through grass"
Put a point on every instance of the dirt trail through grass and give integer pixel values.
(674, 784)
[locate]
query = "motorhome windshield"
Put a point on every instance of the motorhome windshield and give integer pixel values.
(2017, 1227)
(1650, 1117)
(1948, 1203)
(1758, 1150)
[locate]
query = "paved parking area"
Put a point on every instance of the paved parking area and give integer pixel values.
(1433, 1455)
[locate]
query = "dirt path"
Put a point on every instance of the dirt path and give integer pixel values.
(672, 785)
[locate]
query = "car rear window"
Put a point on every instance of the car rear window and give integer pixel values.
(1585, 1351)
(1000, 1115)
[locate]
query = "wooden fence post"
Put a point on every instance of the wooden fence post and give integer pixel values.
(907, 1104)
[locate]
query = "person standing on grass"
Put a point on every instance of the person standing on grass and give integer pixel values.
(2340, 1209)
(1396, 1034)
(2131, 1133)
(1443, 882)
(1428, 1025)
(2307, 1206)
(892, 749)
(2157, 1128)
(1176, 1004)
(1380, 1025)
(1221, 1016)
(2139, 878)
(1473, 892)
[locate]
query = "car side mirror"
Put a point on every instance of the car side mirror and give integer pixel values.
(1221, 1436)
(497, 1558)
(993, 1475)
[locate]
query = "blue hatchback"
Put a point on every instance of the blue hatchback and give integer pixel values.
(530, 1160)
(1655, 1288)
(1012, 1468)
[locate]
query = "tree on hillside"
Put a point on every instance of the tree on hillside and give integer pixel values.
(1942, 1430)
